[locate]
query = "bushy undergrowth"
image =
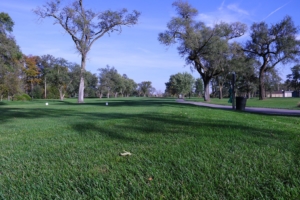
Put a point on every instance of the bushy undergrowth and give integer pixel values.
(22, 97)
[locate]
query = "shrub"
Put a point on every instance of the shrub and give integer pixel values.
(52, 93)
(37, 92)
(22, 97)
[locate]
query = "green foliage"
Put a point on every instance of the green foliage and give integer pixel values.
(38, 92)
(91, 82)
(271, 45)
(52, 93)
(293, 79)
(86, 26)
(272, 80)
(111, 82)
(205, 48)
(129, 85)
(6, 23)
(70, 151)
(22, 97)
(59, 76)
(109, 79)
(145, 88)
(199, 87)
(10, 56)
(180, 83)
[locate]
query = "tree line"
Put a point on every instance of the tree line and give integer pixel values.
(246, 84)
(25, 77)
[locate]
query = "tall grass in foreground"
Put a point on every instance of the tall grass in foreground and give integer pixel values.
(71, 151)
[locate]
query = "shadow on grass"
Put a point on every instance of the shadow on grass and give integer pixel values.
(91, 124)
(173, 126)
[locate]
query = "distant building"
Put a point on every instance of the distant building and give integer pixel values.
(280, 94)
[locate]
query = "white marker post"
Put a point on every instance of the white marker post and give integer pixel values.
(106, 103)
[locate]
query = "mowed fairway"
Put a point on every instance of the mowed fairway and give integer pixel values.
(71, 151)
(281, 103)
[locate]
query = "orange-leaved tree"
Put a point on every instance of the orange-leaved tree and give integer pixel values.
(32, 72)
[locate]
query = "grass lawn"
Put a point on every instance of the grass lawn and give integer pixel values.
(283, 103)
(71, 151)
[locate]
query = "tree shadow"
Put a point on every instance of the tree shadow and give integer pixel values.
(145, 123)
(162, 124)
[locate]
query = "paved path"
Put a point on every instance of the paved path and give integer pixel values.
(270, 111)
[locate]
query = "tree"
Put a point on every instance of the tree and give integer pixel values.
(108, 79)
(3, 90)
(199, 87)
(204, 47)
(145, 88)
(293, 79)
(32, 72)
(10, 58)
(119, 85)
(6, 23)
(272, 81)
(247, 79)
(59, 77)
(245, 69)
(130, 85)
(46, 63)
(86, 26)
(75, 71)
(13, 83)
(272, 45)
(91, 84)
(180, 83)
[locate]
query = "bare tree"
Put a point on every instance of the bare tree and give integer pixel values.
(86, 26)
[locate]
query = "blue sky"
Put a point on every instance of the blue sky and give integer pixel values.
(136, 51)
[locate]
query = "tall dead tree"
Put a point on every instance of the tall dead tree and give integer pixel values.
(86, 26)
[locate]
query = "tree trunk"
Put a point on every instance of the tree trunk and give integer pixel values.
(61, 94)
(108, 95)
(45, 88)
(31, 90)
(206, 91)
(220, 92)
(81, 85)
(262, 91)
(248, 95)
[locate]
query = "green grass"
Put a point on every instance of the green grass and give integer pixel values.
(281, 103)
(71, 151)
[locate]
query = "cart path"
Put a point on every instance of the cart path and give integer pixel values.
(270, 111)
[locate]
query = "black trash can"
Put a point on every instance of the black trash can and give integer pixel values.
(241, 103)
